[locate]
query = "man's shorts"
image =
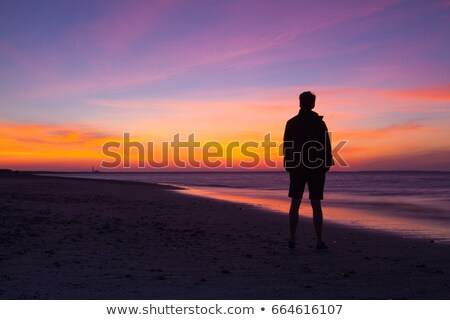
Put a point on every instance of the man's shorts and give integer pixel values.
(315, 181)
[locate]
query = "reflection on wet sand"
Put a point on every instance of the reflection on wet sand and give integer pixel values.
(277, 200)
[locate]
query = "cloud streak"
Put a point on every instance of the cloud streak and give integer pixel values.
(228, 70)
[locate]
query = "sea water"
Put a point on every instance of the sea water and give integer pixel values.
(411, 203)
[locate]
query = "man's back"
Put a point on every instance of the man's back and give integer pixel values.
(306, 143)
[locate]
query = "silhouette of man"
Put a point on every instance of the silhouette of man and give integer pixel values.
(307, 158)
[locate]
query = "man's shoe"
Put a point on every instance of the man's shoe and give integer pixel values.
(321, 246)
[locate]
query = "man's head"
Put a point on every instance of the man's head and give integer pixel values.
(307, 100)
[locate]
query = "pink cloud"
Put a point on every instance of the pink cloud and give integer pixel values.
(122, 25)
(26, 62)
(240, 35)
(438, 94)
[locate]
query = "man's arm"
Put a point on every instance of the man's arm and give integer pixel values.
(288, 145)
(329, 162)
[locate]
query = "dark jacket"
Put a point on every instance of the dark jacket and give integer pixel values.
(307, 145)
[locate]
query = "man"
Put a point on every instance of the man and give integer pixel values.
(307, 158)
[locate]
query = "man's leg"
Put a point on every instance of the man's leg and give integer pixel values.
(293, 217)
(318, 219)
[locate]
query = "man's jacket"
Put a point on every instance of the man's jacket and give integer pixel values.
(307, 145)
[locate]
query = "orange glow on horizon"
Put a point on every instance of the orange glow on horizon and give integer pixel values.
(73, 147)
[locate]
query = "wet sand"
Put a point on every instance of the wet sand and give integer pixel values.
(65, 238)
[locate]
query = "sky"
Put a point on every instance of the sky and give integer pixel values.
(75, 75)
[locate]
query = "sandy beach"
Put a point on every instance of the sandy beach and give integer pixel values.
(65, 238)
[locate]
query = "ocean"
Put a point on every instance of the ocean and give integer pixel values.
(409, 203)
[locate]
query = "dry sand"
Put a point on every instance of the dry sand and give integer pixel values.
(66, 238)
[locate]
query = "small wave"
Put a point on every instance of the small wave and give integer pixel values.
(413, 207)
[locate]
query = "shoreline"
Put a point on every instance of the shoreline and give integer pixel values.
(363, 218)
(78, 238)
(354, 213)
